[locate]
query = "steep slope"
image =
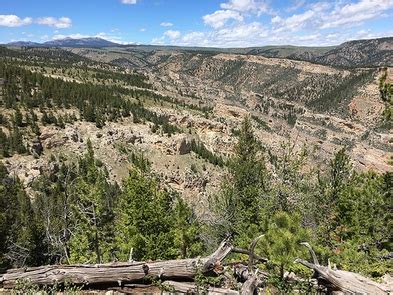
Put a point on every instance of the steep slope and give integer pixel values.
(374, 52)
(184, 96)
(316, 104)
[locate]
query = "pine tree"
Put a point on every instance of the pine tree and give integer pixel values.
(21, 234)
(4, 144)
(281, 244)
(144, 220)
(18, 118)
(95, 200)
(240, 203)
(186, 230)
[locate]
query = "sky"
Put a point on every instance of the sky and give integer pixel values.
(210, 23)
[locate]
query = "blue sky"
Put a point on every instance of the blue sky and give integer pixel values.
(221, 23)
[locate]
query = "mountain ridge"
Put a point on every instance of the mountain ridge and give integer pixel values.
(355, 53)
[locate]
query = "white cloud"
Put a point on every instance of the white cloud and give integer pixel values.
(219, 18)
(14, 21)
(166, 24)
(173, 35)
(60, 23)
(295, 22)
(327, 15)
(254, 6)
(296, 4)
(238, 23)
(142, 30)
(355, 13)
(72, 36)
(239, 35)
(129, 1)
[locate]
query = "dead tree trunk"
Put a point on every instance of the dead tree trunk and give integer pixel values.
(119, 273)
(192, 288)
(344, 281)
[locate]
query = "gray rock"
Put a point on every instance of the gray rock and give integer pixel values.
(184, 146)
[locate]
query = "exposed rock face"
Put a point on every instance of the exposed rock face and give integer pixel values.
(36, 147)
(184, 146)
(50, 137)
(72, 134)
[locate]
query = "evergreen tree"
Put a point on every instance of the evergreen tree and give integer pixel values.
(16, 141)
(144, 220)
(21, 234)
(18, 118)
(281, 242)
(186, 230)
(4, 144)
(95, 200)
(240, 203)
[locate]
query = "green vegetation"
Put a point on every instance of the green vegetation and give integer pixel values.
(78, 215)
(342, 213)
(26, 95)
(78, 211)
(386, 91)
(341, 91)
(199, 149)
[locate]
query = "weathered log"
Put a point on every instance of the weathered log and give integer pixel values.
(340, 280)
(192, 288)
(135, 289)
(244, 251)
(242, 273)
(250, 285)
(119, 273)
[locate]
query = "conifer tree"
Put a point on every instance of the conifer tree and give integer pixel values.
(95, 200)
(240, 202)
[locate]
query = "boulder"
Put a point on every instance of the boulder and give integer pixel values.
(72, 134)
(36, 147)
(184, 146)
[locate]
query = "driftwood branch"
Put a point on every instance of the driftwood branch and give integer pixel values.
(312, 252)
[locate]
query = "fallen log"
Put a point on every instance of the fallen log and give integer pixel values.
(340, 280)
(192, 288)
(250, 285)
(119, 273)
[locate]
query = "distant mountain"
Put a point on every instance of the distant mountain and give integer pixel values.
(373, 52)
(359, 53)
(68, 42)
(82, 42)
(24, 43)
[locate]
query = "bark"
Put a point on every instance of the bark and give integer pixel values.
(250, 285)
(242, 273)
(340, 280)
(246, 252)
(345, 281)
(120, 273)
(192, 288)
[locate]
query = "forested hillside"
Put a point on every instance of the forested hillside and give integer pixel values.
(102, 161)
(78, 216)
